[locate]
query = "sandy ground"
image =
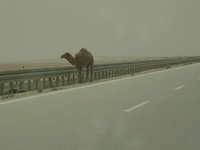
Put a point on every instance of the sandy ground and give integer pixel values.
(51, 63)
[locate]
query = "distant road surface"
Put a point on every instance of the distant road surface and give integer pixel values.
(155, 111)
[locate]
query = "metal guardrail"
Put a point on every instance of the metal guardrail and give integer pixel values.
(38, 79)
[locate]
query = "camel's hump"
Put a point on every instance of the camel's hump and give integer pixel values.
(84, 50)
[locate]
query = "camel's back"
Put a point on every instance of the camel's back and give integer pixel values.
(84, 57)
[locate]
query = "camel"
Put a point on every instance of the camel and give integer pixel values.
(82, 59)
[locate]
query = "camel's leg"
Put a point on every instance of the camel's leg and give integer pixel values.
(91, 77)
(80, 75)
(87, 72)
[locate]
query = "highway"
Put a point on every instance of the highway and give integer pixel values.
(154, 111)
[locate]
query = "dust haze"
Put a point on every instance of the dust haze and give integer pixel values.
(44, 29)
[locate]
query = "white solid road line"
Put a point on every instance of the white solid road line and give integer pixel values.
(179, 87)
(136, 106)
(94, 84)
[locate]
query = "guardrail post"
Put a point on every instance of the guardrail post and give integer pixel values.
(63, 80)
(36, 84)
(130, 69)
(109, 73)
(11, 87)
(83, 77)
(141, 68)
(21, 85)
(133, 69)
(99, 75)
(57, 81)
(145, 67)
(151, 67)
(1, 87)
(103, 74)
(148, 67)
(29, 85)
(68, 79)
(50, 82)
(112, 73)
(136, 69)
(40, 86)
(73, 79)
(44, 83)
(106, 74)
(95, 75)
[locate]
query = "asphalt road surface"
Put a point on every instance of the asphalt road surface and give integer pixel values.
(155, 111)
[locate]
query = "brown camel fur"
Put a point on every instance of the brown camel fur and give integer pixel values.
(82, 59)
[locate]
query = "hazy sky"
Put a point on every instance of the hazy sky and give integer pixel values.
(43, 29)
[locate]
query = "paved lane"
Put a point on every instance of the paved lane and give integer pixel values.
(153, 111)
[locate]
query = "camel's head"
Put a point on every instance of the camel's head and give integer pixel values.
(65, 55)
(69, 57)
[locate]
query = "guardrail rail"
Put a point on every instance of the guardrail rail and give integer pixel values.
(12, 82)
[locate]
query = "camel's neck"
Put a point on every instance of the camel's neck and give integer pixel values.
(71, 59)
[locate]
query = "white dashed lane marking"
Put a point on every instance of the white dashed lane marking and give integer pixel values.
(179, 87)
(136, 106)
